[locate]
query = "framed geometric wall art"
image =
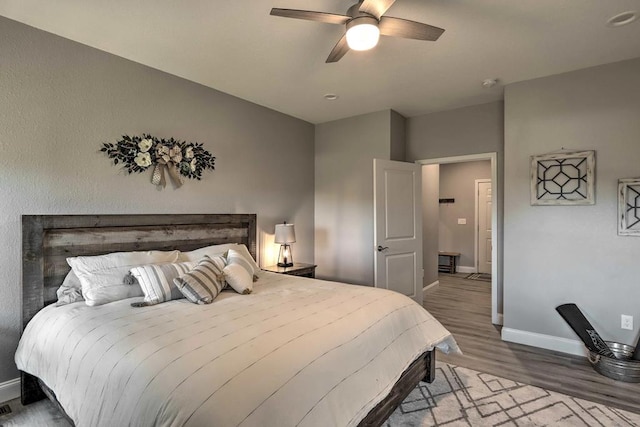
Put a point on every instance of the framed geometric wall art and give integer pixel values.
(566, 178)
(629, 207)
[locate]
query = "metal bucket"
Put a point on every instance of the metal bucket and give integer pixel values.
(622, 369)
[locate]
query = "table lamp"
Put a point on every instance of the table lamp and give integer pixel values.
(285, 234)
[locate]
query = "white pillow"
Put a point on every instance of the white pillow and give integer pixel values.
(156, 280)
(210, 251)
(238, 278)
(102, 276)
(70, 290)
(242, 250)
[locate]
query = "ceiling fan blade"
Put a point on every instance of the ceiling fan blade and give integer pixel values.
(376, 8)
(397, 27)
(329, 18)
(339, 50)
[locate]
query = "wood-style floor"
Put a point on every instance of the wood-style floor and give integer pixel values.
(464, 308)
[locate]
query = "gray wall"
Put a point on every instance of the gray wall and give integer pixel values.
(398, 136)
(430, 222)
(468, 130)
(457, 181)
(60, 100)
(344, 153)
(558, 254)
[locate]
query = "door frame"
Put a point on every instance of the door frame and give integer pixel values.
(496, 258)
(476, 230)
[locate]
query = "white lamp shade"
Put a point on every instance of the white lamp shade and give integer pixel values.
(285, 233)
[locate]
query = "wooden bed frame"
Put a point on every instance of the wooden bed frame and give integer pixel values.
(47, 240)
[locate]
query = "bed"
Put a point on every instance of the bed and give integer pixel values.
(296, 351)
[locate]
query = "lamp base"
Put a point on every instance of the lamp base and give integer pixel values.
(285, 264)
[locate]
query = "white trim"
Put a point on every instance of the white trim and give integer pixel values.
(465, 269)
(431, 286)
(496, 270)
(500, 319)
(457, 159)
(9, 390)
(549, 342)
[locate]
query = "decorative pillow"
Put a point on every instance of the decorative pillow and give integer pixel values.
(211, 251)
(102, 277)
(156, 280)
(238, 278)
(70, 290)
(240, 255)
(204, 282)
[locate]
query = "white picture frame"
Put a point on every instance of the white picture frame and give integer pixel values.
(562, 179)
(629, 207)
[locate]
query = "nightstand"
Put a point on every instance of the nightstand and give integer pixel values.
(298, 269)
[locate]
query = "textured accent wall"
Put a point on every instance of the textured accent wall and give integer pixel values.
(59, 100)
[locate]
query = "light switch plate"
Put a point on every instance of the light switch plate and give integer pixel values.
(462, 221)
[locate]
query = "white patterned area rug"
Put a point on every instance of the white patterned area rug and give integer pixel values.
(462, 397)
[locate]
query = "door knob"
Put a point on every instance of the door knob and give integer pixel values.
(382, 248)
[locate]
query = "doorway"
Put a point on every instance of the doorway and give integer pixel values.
(492, 262)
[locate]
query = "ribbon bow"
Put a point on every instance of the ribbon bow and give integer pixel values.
(167, 159)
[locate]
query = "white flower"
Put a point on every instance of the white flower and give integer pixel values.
(143, 160)
(188, 153)
(193, 165)
(145, 145)
(176, 154)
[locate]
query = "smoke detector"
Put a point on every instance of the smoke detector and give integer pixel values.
(489, 83)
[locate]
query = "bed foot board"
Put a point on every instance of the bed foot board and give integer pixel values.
(430, 361)
(423, 368)
(30, 390)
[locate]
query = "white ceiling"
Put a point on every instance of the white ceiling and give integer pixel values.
(235, 46)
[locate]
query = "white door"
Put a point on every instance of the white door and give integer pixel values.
(484, 207)
(398, 227)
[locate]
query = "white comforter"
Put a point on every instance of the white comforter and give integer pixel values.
(295, 352)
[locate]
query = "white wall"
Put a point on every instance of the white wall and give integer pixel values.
(457, 181)
(560, 254)
(344, 153)
(60, 100)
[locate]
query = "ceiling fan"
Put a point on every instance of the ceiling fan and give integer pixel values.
(364, 24)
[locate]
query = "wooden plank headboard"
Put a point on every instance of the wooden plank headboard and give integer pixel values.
(47, 240)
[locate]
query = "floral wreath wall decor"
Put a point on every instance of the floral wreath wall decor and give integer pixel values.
(179, 158)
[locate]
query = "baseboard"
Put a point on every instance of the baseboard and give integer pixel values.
(9, 390)
(549, 342)
(431, 286)
(465, 269)
(499, 320)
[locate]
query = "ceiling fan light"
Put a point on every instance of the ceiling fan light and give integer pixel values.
(362, 33)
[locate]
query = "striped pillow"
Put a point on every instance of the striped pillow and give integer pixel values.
(204, 282)
(156, 280)
(237, 257)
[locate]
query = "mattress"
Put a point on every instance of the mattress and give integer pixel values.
(295, 352)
